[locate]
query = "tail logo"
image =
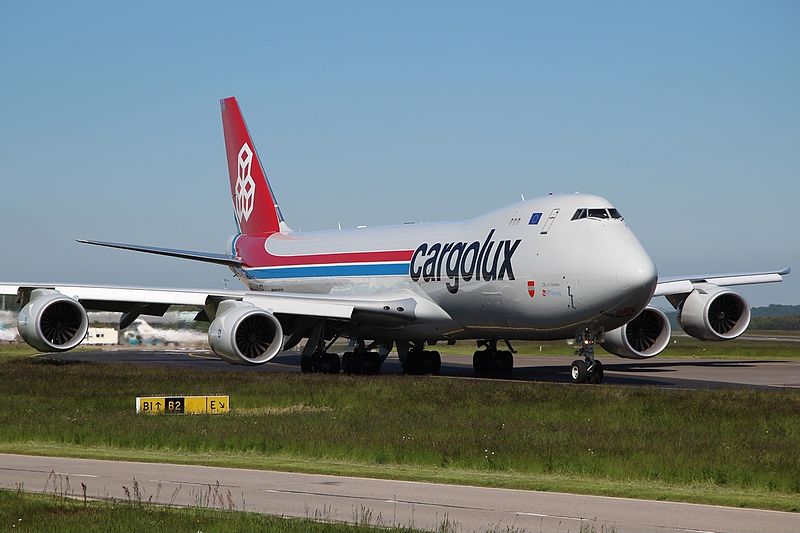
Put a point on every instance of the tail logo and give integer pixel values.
(245, 186)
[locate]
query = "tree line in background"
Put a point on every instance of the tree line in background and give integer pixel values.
(772, 323)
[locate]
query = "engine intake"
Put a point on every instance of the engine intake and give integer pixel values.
(243, 334)
(713, 313)
(645, 336)
(52, 322)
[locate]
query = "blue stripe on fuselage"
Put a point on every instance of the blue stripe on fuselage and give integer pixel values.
(324, 271)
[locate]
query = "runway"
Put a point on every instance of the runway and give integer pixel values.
(425, 505)
(657, 372)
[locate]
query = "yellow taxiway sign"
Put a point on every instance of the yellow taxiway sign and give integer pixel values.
(179, 405)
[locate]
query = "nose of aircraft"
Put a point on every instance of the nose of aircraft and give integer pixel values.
(636, 270)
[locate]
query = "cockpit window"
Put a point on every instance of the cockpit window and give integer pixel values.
(596, 213)
(580, 213)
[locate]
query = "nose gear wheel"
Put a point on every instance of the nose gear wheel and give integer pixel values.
(588, 370)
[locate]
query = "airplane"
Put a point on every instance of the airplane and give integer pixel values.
(556, 267)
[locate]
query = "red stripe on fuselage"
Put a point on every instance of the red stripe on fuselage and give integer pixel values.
(253, 253)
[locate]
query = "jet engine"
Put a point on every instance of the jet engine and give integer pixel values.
(643, 337)
(243, 334)
(713, 313)
(52, 322)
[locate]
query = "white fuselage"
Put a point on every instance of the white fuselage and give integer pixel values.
(526, 271)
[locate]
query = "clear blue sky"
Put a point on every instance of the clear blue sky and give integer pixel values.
(685, 114)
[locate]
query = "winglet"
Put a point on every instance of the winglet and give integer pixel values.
(254, 204)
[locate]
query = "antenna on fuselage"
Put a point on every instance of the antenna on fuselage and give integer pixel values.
(521, 195)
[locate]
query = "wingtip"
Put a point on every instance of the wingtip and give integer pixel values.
(787, 270)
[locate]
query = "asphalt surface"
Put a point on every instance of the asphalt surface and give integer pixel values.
(425, 505)
(656, 372)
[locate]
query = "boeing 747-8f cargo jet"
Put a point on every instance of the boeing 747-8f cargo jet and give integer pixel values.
(558, 267)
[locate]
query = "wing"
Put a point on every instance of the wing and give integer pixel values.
(686, 284)
(398, 306)
(247, 327)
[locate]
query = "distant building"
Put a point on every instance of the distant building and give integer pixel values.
(98, 336)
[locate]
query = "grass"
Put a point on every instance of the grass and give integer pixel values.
(24, 512)
(729, 447)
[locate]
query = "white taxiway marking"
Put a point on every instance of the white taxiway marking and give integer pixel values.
(540, 515)
(202, 356)
(72, 474)
(190, 483)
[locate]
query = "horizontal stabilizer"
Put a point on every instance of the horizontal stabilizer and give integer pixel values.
(206, 257)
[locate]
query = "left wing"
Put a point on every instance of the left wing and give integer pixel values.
(248, 327)
(686, 284)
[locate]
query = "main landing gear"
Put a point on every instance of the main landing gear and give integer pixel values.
(361, 360)
(589, 370)
(321, 363)
(419, 361)
(493, 361)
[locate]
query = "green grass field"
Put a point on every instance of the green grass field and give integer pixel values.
(22, 512)
(731, 447)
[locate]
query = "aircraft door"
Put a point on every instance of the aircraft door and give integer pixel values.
(550, 220)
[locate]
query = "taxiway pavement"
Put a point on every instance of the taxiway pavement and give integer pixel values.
(425, 505)
(658, 372)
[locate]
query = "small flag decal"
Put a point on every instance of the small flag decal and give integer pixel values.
(535, 218)
(532, 288)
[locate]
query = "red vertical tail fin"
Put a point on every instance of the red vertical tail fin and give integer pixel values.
(254, 204)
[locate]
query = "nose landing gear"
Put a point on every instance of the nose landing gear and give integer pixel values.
(590, 370)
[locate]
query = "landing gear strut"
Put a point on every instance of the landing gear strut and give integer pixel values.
(493, 361)
(315, 357)
(589, 370)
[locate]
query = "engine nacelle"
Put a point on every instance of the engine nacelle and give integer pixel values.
(243, 334)
(713, 313)
(643, 337)
(52, 322)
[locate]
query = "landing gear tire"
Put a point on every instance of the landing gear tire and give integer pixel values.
(480, 362)
(419, 362)
(505, 362)
(596, 374)
(361, 362)
(320, 363)
(329, 364)
(579, 372)
(486, 362)
(431, 362)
